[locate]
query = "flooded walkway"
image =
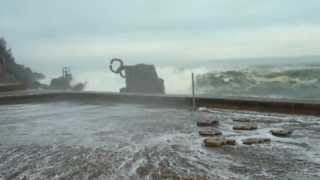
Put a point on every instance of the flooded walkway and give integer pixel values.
(69, 140)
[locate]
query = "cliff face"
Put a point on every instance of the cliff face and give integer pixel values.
(10, 71)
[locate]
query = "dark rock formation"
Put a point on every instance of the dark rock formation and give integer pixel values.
(251, 141)
(209, 132)
(11, 72)
(140, 78)
(64, 82)
(245, 124)
(281, 132)
(60, 83)
(215, 142)
(207, 122)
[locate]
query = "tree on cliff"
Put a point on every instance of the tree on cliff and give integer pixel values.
(14, 72)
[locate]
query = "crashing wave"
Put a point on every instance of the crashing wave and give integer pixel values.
(262, 82)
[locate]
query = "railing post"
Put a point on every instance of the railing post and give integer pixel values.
(193, 93)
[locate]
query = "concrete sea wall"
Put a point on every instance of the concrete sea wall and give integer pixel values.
(304, 107)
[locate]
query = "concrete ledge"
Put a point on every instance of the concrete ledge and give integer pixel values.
(11, 87)
(302, 107)
(18, 97)
(264, 105)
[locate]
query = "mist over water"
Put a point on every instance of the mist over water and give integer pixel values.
(177, 80)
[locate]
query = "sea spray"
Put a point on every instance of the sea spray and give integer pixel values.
(281, 81)
(268, 82)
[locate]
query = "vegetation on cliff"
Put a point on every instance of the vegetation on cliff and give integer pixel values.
(13, 72)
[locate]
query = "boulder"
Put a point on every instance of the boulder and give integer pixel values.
(231, 142)
(281, 132)
(215, 142)
(60, 83)
(207, 122)
(244, 124)
(209, 132)
(251, 141)
(64, 82)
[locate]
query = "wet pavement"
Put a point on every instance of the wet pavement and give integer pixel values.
(69, 140)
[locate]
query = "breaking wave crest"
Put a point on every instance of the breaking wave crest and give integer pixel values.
(262, 81)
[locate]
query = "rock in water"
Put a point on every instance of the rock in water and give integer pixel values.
(210, 132)
(281, 132)
(244, 124)
(251, 141)
(64, 82)
(207, 122)
(215, 142)
(140, 78)
(60, 83)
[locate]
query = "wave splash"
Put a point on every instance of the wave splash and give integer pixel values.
(262, 82)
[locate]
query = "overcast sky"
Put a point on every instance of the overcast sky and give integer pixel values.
(91, 32)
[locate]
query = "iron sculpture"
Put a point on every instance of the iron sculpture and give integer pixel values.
(140, 78)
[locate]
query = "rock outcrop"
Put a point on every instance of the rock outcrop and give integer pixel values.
(251, 141)
(215, 142)
(11, 72)
(206, 119)
(281, 132)
(64, 82)
(207, 122)
(209, 132)
(244, 124)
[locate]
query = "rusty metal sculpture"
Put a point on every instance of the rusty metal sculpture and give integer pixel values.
(140, 78)
(120, 70)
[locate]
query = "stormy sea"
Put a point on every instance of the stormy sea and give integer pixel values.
(288, 78)
(108, 140)
(282, 81)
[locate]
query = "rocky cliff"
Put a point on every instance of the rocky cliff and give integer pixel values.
(11, 72)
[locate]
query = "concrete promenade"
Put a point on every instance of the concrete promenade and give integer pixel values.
(303, 107)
